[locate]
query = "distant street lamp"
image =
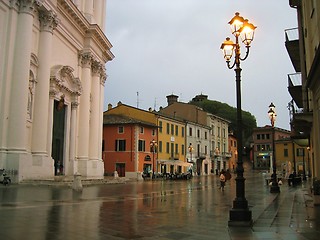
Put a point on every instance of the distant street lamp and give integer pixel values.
(153, 145)
(190, 148)
(240, 215)
(274, 186)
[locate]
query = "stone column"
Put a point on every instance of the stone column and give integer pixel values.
(17, 132)
(95, 111)
(73, 129)
(48, 22)
(84, 107)
(103, 77)
(52, 95)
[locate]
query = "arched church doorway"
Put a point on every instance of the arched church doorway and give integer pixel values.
(58, 136)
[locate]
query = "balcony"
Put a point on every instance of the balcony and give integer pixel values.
(300, 120)
(295, 88)
(292, 46)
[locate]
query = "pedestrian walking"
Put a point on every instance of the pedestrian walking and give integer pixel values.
(222, 180)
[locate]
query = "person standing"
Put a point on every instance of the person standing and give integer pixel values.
(222, 180)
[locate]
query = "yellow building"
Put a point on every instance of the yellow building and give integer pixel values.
(291, 157)
(132, 112)
(171, 145)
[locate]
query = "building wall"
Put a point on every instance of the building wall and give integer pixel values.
(233, 151)
(132, 158)
(311, 33)
(262, 148)
(290, 156)
(168, 140)
(53, 64)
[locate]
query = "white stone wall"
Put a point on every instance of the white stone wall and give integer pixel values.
(46, 58)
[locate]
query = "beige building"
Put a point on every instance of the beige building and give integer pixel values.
(206, 135)
(52, 61)
(304, 85)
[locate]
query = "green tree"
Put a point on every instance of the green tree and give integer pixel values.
(228, 112)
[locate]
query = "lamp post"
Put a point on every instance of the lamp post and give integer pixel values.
(153, 145)
(190, 148)
(304, 177)
(239, 215)
(274, 186)
(309, 171)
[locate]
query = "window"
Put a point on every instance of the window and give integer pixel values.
(205, 150)
(258, 136)
(177, 130)
(268, 136)
(168, 128)
(167, 147)
(218, 131)
(160, 126)
(224, 132)
(141, 130)
(160, 146)
(182, 149)
(285, 152)
(212, 129)
(153, 132)
(300, 152)
(176, 149)
(172, 129)
(262, 136)
(198, 133)
(142, 146)
(205, 135)
(190, 131)
(182, 131)
(121, 129)
(120, 145)
(258, 147)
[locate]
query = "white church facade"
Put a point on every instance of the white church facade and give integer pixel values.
(52, 74)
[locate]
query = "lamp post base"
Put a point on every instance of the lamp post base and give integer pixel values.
(274, 189)
(240, 218)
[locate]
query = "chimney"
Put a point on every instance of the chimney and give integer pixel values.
(109, 106)
(172, 99)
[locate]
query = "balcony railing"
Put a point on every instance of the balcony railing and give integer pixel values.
(295, 88)
(300, 120)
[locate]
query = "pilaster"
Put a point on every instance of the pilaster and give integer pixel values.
(48, 22)
(17, 132)
(84, 106)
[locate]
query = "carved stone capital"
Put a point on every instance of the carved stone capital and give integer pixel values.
(96, 68)
(74, 105)
(27, 6)
(103, 75)
(48, 20)
(86, 59)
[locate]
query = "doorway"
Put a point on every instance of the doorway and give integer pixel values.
(121, 169)
(58, 140)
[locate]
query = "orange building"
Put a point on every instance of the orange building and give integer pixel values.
(127, 141)
(233, 151)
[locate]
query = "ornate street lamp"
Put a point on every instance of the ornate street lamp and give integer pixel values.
(190, 148)
(153, 145)
(274, 186)
(240, 215)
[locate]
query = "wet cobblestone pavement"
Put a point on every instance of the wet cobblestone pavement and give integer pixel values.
(184, 209)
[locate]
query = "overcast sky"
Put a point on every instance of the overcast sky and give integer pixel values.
(173, 46)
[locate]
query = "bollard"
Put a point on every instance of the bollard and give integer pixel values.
(77, 185)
